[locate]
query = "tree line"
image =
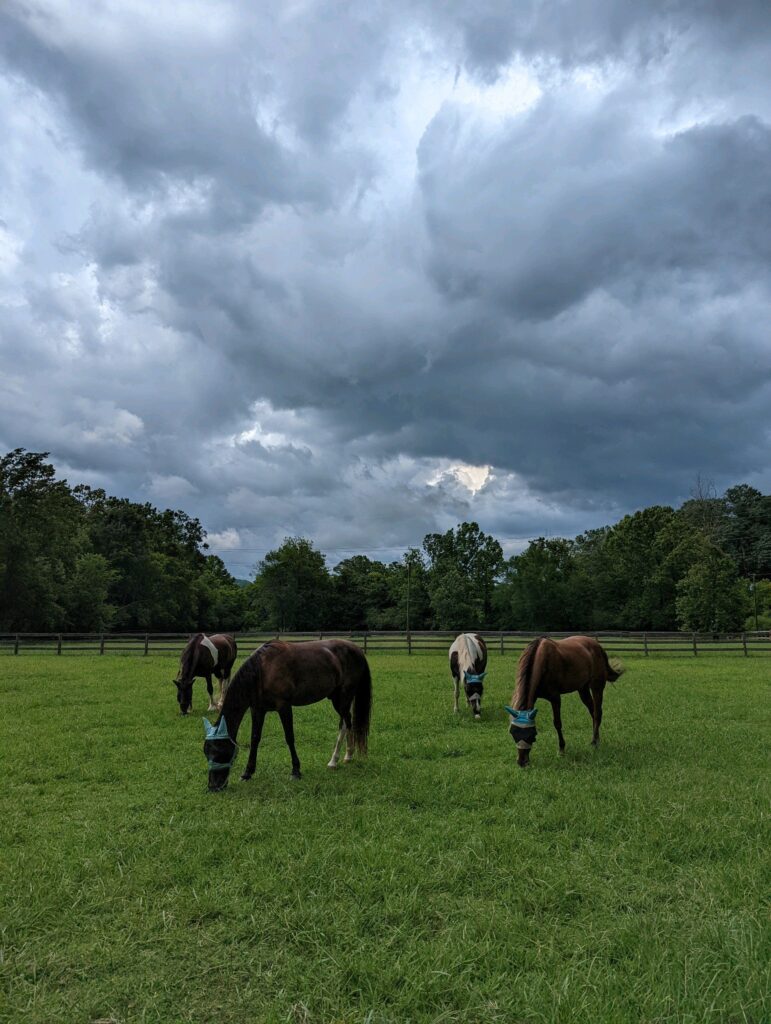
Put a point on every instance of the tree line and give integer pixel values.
(77, 559)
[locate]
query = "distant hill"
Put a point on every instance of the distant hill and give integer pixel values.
(242, 583)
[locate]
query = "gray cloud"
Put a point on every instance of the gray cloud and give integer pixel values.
(332, 257)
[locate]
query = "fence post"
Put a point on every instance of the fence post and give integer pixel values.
(16, 645)
(101, 643)
(409, 643)
(744, 643)
(59, 643)
(147, 642)
(693, 637)
(501, 641)
(365, 641)
(645, 644)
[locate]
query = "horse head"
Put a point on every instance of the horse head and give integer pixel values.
(184, 694)
(220, 750)
(523, 732)
(474, 687)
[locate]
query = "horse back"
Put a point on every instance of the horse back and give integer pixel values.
(307, 672)
(580, 660)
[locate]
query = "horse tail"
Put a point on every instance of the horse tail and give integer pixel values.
(362, 706)
(524, 695)
(613, 669)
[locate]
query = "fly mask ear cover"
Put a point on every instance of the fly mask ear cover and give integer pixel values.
(474, 684)
(522, 727)
(219, 732)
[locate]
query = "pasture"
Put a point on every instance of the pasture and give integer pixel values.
(432, 882)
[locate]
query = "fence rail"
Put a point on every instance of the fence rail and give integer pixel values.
(395, 642)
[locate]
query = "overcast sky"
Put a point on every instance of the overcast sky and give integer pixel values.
(361, 271)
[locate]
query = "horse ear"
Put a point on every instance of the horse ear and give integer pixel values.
(208, 728)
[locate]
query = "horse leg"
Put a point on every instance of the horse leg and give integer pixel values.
(597, 691)
(212, 705)
(348, 737)
(456, 680)
(340, 736)
(286, 721)
(556, 706)
(258, 717)
(586, 697)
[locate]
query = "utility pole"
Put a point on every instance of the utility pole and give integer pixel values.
(409, 576)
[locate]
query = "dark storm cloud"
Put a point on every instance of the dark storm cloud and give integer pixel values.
(344, 253)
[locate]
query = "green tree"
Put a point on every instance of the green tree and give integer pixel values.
(711, 597)
(295, 586)
(537, 592)
(361, 593)
(465, 562)
(41, 537)
(85, 595)
(222, 603)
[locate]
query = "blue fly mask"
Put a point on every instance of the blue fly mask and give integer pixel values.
(522, 727)
(219, 732)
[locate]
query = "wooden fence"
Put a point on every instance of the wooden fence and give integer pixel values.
(508, 642)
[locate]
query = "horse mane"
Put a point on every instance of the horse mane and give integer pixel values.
(524, 672)
(469, 652)
(246, 680)
(188, 658)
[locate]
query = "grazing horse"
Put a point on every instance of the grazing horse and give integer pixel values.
(279, 676)
(549, 668)
(204, 656)
(468, 660)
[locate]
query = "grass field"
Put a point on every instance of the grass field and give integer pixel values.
(432, 882)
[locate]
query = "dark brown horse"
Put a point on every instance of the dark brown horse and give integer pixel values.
(549, 668)
(204, 656)
(468, 661)
(280, 676)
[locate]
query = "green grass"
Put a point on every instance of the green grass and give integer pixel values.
(432, 882)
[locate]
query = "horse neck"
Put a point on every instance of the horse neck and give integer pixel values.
(189, 660)
(238, 697)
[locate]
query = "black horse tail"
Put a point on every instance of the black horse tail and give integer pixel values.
(523, 697)
(362, 706)
(613, 669)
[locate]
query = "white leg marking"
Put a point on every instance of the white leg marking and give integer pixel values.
(336, 752)
(348, 747)
(457, 691)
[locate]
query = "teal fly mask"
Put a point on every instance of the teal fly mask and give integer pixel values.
(219, 732)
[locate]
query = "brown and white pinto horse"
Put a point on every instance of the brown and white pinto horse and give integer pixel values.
(468, 661)
(548, 668)
(204, 656)
(279, 676)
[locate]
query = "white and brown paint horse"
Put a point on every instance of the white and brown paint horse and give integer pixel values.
(205, 656)
(468, 661)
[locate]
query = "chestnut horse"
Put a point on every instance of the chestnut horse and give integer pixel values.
(468, 661)
(204, 656)
(548, 668)
(279, 676)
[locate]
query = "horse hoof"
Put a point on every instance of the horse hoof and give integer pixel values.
(246, 776)
(296, 776)
(332, 764)
(478, 718)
